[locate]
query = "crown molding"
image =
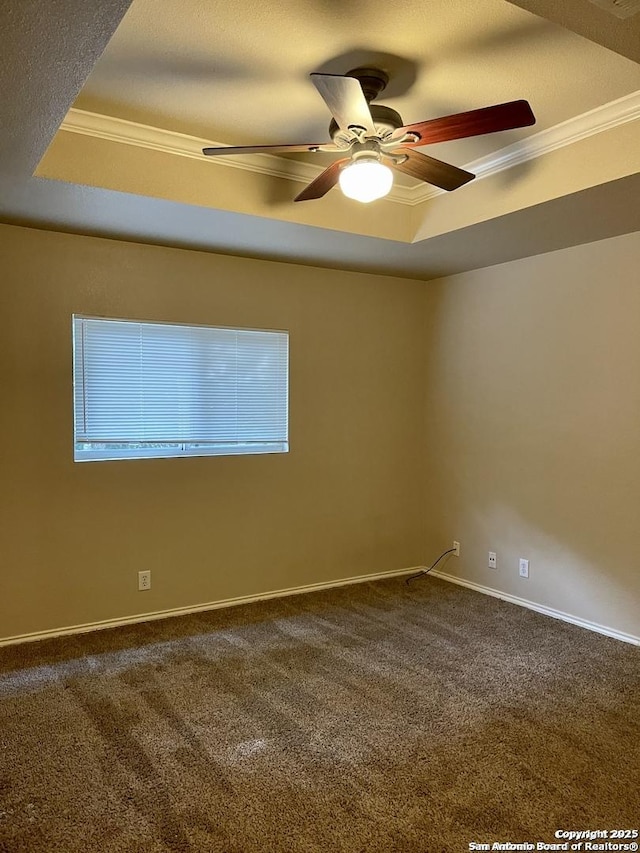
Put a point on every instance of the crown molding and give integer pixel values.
(121, 130)
(575, 129)
(180, 144)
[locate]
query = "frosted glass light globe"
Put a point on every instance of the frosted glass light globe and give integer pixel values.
(366, 180)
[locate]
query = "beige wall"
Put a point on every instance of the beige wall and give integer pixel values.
(533, 438)
(347, 500)
(528, 444)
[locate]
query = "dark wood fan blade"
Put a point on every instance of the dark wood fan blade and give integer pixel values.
(346, 100)
(268, 149)
(323, 183)
(432, 171)
(473, 123)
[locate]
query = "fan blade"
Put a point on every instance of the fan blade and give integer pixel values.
(268, 149)
(323, 183)
(432, 171)
(473, 123)
(346, 100)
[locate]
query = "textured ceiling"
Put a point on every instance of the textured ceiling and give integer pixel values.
(599, 25)
(238, 73)
(45, 57)
(197, 69)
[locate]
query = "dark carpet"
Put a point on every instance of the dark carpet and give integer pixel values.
(378, 717)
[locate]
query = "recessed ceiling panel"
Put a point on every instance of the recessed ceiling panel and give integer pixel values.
(237, 72)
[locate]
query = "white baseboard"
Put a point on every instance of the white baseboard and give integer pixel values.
(541, 608)
(199, 608)
(315, 587)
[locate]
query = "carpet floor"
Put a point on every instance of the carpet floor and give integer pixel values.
(379, 717)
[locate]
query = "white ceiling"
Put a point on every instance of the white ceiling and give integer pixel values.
(237, 73)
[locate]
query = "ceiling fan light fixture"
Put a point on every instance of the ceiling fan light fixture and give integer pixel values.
(366, 179)
(363, 133)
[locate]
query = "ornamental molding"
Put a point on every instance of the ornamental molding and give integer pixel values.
(113, 129)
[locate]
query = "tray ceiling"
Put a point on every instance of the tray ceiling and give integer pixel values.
(236, 73)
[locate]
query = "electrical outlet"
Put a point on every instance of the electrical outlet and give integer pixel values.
(524, 568)
(493, 560)
(144, 580)
(456, 548)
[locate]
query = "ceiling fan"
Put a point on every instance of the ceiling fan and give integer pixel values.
(372, 137)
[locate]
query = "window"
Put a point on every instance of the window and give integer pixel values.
(155, 389)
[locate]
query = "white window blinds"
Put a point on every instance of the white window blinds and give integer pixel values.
(154, 389)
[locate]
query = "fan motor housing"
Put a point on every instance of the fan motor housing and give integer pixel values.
(385, 119)
(372, 80)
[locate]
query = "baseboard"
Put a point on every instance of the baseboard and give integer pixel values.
(541, 608)
(199, 608)
(316, 587)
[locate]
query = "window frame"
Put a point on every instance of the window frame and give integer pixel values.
(175, 449)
